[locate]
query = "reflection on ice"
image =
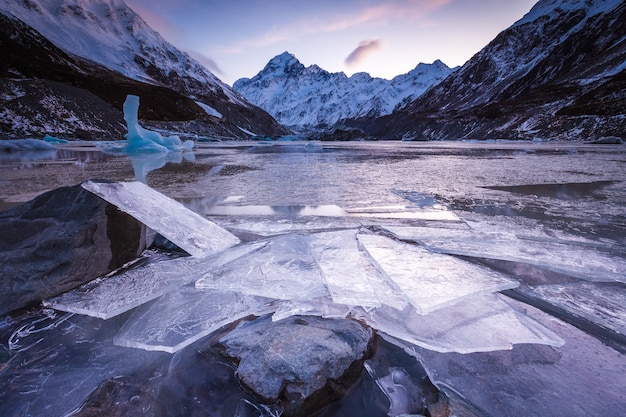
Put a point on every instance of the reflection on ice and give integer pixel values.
(428, 280)
(190, 231)
(144, 163)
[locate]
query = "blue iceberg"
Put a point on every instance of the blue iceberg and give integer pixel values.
(144, 140)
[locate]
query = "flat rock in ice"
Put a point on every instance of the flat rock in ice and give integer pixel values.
(190, 231)
(428, 280)
(108, 297)
(577, 259)
(184, 316)
(477, 324)
(284, 269)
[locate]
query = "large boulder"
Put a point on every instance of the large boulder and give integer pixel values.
(302, 363)
(60, 240)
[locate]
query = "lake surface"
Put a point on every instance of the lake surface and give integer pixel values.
(547, 193)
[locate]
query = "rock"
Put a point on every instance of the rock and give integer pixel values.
(60, 240)
(302, 362)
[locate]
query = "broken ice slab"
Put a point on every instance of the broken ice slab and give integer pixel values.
(403, 212)
(575, 258)
(320, 307)
(184, 316)
(190, 231)
(428, 280)
(344, 268)
(268, 226)
(603, 304)
(284, 269)
(108, 297)
(477, 324)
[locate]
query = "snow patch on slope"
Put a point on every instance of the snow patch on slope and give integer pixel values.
(112, 34)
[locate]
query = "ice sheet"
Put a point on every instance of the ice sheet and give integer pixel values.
(428, 280)
(574, 258)
(190, 231)
(108, 297)
(344, 268)
(179, 318)
(600, 303)
(478, 324)
(284, 269)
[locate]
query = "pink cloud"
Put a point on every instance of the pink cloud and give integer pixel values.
(380, 14)
(361, 52)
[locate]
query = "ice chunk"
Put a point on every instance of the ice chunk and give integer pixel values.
(477, 324)
(321, 307)
(54, 140)
(182, 317)
(403, 212)
(574, 258)
(144, 140)
(399, 388)
(428, 280)
(190, 231)
(276, 225)
(344, 269)
(284, 269)
(109, 297)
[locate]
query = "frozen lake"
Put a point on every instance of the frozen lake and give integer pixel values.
(544, 224)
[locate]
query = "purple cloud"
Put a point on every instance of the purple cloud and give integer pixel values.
(361, 52)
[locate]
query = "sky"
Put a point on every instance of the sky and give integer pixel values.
(236, 38)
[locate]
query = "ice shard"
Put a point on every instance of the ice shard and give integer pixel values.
(284, 269)
(190, 231)
(108, 297)
(320, 307)
(184, 316)
(477, 324)
(428, 280)
(344, 268)
(603, 304)
(575, 258)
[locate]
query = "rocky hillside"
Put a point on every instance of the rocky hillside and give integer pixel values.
(559, 73)
(68, 65)
(311, 98)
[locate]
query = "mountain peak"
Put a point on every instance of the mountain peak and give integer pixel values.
(312, 98)
(282, 64)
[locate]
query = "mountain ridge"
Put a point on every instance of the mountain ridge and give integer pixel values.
(311, 98)
(107, 37)
(558, 72)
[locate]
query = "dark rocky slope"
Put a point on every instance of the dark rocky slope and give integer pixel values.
(557, 73)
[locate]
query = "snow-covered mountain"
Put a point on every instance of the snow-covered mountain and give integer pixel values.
(110, 34)
(311, 98)
(559, 72)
